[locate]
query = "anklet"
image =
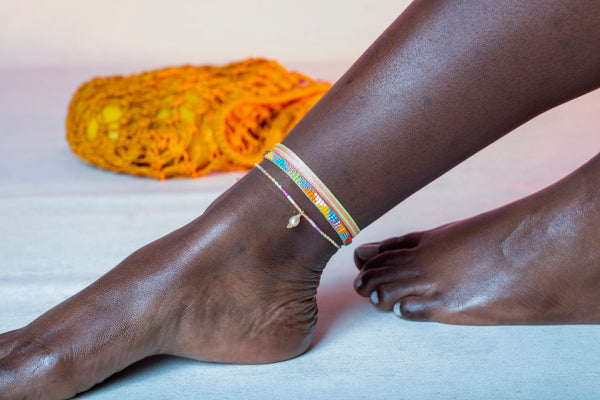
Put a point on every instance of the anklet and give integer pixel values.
(316, 191)
(329, 214)
(325, 193)
(295, 220)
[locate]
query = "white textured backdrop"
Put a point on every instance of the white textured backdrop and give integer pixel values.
(154, 33)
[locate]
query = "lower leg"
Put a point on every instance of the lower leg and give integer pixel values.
(443, 81)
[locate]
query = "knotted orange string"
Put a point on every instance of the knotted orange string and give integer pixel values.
(187, 121)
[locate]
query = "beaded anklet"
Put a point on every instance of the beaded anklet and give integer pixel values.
(324, 200)
(295, 220)
(325, 193)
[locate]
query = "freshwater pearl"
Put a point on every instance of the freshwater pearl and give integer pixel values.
(294, 221)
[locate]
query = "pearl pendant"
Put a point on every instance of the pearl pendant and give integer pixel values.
(294, 221)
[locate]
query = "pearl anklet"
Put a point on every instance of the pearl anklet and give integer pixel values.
(294, 220)
(315, 190)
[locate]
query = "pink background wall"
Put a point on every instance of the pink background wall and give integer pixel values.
(155, 33)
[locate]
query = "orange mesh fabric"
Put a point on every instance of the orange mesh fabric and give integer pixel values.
(187, 121)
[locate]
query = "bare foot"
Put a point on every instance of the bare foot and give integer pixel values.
(535, 261)
(233, 286)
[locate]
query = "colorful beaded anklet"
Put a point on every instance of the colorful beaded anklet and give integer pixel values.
(325, 193)
(332, 210)
(295, 220)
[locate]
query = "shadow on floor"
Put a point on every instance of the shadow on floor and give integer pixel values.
(137, 369)
(334, 302)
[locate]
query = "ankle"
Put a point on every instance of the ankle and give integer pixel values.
(255, 211)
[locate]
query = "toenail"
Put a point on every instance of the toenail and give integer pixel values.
(358, 283)
(397, 309)
(374, 298)
(367, 251)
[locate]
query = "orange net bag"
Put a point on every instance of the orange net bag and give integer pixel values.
(187, 121)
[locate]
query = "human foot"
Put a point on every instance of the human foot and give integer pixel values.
(233, 286)
(535, 261)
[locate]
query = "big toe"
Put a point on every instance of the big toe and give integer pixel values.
(364, 253)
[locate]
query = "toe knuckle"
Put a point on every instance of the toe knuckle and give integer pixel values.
(406, 311)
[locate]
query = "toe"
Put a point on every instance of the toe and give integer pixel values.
(368, 251)
(408, 241)
(364, 253)
(368, 280)
(385, 296)
(396, 258)
(416, 308)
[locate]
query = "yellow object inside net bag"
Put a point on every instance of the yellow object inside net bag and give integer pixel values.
(188, 121)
